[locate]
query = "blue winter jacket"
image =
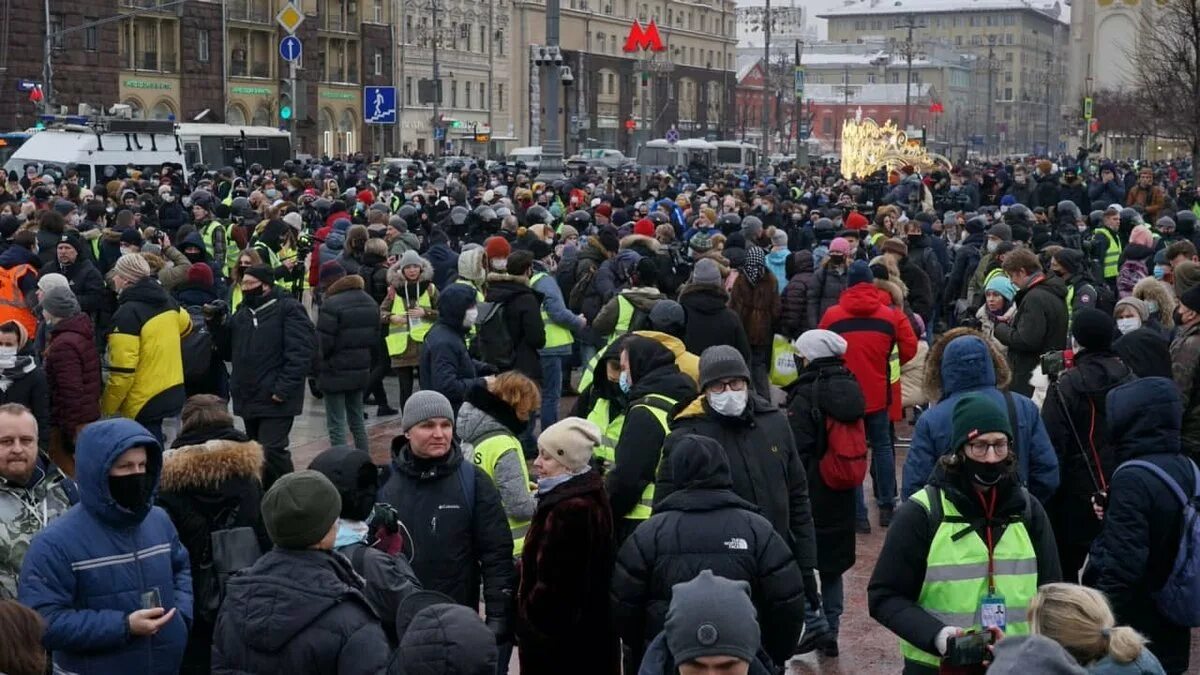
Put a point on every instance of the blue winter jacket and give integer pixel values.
(446, 366)
(88, 570)
(556, 308)
(967, 368)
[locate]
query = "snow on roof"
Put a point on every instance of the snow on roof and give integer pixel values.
(869, 94)
(746, 63)
(886, 7)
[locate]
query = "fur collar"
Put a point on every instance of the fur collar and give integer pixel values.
(209, 464)
(631, 240)
(497, 277)
(350, 282)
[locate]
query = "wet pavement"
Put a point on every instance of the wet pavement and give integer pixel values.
(865, 646)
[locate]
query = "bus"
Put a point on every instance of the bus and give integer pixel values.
(662, 155)
(101, 149)
(736, 154)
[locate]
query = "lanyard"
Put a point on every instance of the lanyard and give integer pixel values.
(989, 508)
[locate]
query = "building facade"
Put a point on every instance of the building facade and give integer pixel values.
(1020, 48)
(620, 99)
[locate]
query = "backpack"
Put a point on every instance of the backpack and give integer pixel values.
(492, 339)
(231, 549)
(196, 346)
(581, 290)
(1179, 598)
(843, 466)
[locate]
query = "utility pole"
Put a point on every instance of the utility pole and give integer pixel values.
(1048, 77)
(491, 73)
(909, 52)
(552, 145)
(438, 145)
(766, 92)
(991, 95)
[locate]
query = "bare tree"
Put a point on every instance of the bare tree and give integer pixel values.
(1167, 68)
(1125, 112)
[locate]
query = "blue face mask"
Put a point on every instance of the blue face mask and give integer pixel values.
(1159, 272)
(623, 382)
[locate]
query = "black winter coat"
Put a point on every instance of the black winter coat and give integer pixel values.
(823, 293)
(793, 302)
(1137, 545)
(705, 526)
(1039, 326)
(826, 387)
(374, 272)
(921, 295)
(85, 280)
(710, 321)
(445, 365)
(28, 386)
(347, 334)
(764, 464)
(523, 316)
(966, 259)
(452, 544)
(897, 579)
(300, 613)
(271, 351)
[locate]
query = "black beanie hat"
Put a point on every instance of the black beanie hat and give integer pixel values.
(1093, 329)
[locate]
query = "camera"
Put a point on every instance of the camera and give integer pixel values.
(969, 649)
(1055, 362)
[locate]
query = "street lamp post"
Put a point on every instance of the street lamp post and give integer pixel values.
(766, 92)
(908, 49)
(991, 94)
(1049, 77)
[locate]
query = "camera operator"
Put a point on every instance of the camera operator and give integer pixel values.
(1073, 413)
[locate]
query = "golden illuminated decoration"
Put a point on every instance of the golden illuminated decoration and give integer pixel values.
(867, 146)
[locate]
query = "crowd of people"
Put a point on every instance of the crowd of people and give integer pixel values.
(735, 354)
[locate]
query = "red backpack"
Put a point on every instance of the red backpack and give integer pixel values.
(844, 464)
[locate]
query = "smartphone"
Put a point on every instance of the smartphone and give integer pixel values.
(151, 599)
(969, 649)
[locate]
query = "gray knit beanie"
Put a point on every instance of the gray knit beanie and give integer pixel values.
(425, 405)
(60, 302)
(721, 362)
(707, 272)
(711, 616)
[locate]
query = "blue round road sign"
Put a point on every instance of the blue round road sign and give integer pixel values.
(290, 49)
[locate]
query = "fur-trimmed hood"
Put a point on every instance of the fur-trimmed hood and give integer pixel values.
(631, 240)
(971, 361)
(207, 465)
(1150, 288)
(350, 282)
(395, 279)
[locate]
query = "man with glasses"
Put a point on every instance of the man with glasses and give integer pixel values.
(969, 551)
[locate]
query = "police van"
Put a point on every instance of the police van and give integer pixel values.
(100, 149)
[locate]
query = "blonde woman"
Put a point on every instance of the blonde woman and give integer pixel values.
(1080, 619)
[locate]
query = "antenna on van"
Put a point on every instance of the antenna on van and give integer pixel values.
(128, 145)
(153, 144)
(137, 141)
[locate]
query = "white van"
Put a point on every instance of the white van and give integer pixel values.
(531, 156)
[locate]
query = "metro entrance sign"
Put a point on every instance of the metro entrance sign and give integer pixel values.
(644, 39)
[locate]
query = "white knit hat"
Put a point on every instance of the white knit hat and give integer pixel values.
(571, 442)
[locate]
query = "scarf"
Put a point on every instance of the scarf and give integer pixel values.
(545, 485)
(755, 266)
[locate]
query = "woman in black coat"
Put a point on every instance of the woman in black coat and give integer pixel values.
(825, 387)
(347, 333)
(374, 273)
(522, 313)
(211, 480)
(710, 321)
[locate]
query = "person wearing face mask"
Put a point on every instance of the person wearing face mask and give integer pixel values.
(1070, 265)
(110, 577)
(989, 264)
(1073, 411)
(22, 380)
(171, 214)
(409, 311)
(936, 577)
(958, 294)
(444, 364)
(270, 342)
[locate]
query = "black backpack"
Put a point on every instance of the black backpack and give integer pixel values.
(197, 346)
(493, 342)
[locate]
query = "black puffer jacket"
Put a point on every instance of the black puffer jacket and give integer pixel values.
(445, 640)
(523, 316)
(826, 388)
(921, 296)
(1039, 326)
(453, 544)
(374, 273)
(710, 321)
(1136, 548)
(705, 526)
(639, 449)
(824, 292)
(271, 350)
(347, 332)
(298, 612)
(764, 464)
(793, 303)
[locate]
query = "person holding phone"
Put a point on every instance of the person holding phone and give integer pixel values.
(964, 556)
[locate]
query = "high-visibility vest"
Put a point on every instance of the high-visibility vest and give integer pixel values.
(894, 364)
(610, 428)
(956, 574)
(397, 339)
(589, 371)
(556, 335)
(206, 233)
(660, 406)
(488, 452)
(235, 298)
(1112, 256)
(12, 300)
(232, 252)
(876, 238)
(625, 311)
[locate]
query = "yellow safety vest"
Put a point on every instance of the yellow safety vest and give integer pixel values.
(610, 427)
(235, 298)
(206, 234)
(660, 406)
(956, 574)
(625, 311)
(556, 335)
(397, 339)
(1112, 256)
(488, 452)
(589, 370)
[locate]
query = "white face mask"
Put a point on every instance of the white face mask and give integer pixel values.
(168, 197)
(470, 317)
(728, 403)
(499, 264)
(1128, 325)
(992, 245)
(8, 357)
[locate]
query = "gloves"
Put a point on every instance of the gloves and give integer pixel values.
(812, 593)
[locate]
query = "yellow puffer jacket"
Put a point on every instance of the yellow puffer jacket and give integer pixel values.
(145, 360)
(687, 362)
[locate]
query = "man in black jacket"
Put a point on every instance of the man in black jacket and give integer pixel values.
(1040, 324)
(347, 332)
(458, 533)
(1139, 540)
(301, 608)
(86, 282)
(270, 343)
(706, 526)
(522, 312)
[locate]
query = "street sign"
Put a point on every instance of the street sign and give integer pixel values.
(26, 85)
(1087, 108)
(290, 48)
(379, 105)
(672, 135)
(799, 83)
(290, 17)
(439, 133)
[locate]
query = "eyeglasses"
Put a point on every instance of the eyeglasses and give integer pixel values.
(979, 449)
(736, 384)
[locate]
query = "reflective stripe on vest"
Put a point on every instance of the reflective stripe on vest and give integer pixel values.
(556, 335)
(624, 317)
(235, 298)
(956, 574)
(1112, 256)
(397, 339)
(232, 252)
(660, 406)
(488, 452)
(589, 371)
(611, 431)
(894, 364)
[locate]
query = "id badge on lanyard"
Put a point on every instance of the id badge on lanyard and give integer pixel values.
(992, 612)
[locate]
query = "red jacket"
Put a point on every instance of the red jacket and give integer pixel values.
(73, 373)
(871, 328)
(314, 260)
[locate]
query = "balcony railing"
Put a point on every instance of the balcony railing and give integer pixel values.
(253, 11)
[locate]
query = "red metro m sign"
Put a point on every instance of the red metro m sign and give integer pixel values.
(644, 38)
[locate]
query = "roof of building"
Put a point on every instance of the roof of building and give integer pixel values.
(867, 94)
(1051, 8)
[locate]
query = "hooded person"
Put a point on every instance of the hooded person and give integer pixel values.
(909, 593)
(72, 367)
(962, 363)
(389, 578)
(445, 364)
(793, 300)
(1145, 352)
(301, 608)
(690, 533)
(90, 572)
(630, 308)
(709, 320)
